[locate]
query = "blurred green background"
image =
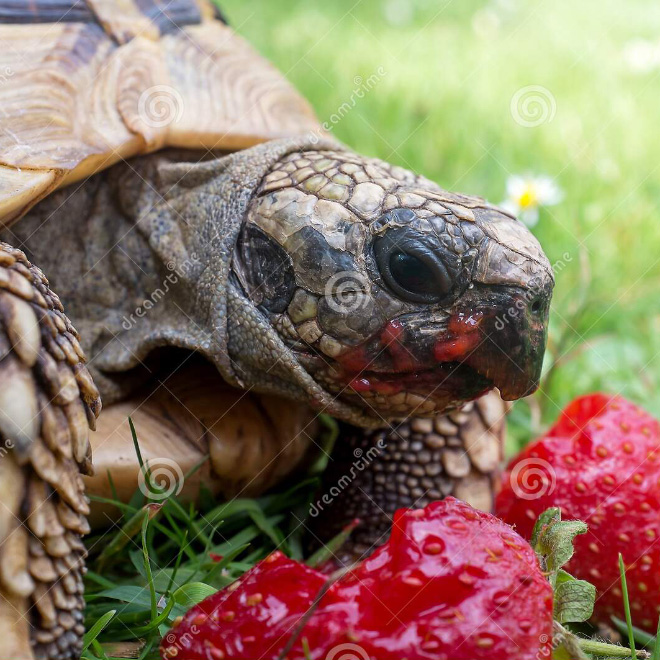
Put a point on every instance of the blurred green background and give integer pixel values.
(442, 106)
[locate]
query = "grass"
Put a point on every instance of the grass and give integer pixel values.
(176, 555)
(442, 108)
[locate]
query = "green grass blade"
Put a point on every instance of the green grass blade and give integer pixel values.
(154, 623)
(177, 563)
(100, 580)
(147, 568)
(136, 444)
(147, 649)
(97, 629)
(330, 549)
(98, 649)
(656, 644)
(129, 529)
(626, 607)
(641, 636)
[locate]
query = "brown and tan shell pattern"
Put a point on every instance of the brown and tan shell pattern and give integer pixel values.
(84, 84)
(48, 403)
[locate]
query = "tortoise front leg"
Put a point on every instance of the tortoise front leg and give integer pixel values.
(374, 473)
(48, 402)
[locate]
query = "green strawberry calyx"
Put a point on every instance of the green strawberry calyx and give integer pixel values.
(552, 540)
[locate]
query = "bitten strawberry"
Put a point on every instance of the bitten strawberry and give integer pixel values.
(600, 463)
(451, 582)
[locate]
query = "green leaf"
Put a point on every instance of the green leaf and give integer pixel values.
(548, 517)
(97, 629)
(574, 599)
(137, 559)
(129, 594)
(552, 540)
(192, 593)
(163, 578)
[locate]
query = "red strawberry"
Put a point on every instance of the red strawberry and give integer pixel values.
(451, 582)
(599, 463)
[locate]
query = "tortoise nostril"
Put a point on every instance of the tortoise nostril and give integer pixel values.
(536, 306)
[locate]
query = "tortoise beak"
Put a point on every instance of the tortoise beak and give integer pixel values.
(513, 339)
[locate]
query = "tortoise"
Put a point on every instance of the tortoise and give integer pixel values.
(231, 271)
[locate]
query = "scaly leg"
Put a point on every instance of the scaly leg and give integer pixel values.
(374, 473)
(47, 405)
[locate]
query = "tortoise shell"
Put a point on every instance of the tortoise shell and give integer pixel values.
(84, 84)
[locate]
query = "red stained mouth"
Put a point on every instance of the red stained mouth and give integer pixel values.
(461, 340)
(443, 369)
(440, 379)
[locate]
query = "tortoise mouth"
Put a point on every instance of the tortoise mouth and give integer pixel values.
(440, 377)
(422, 392)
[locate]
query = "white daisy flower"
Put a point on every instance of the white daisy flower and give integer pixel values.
(398, 12)
(526, 194)
(485, 23)
(642, 56)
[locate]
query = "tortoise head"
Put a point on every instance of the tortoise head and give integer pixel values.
(395, 294)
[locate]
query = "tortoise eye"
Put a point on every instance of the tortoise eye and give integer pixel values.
(415, 266)
(412, 274)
